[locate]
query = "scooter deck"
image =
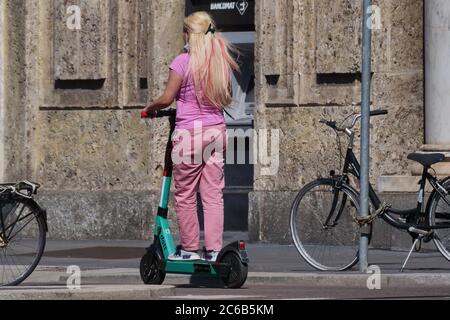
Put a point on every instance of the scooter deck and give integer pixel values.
(197, 267)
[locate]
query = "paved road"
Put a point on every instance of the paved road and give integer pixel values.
(262, 292)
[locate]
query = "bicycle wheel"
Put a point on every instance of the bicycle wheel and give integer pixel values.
(22, 240)
(326, 245)
(438, 214)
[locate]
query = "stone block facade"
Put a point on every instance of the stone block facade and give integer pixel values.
(315, 74)
(69, 102)
(70, 109)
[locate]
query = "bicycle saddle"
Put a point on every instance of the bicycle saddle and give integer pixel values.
(427, 159)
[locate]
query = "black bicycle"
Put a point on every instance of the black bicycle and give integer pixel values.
(325, 223)
(23, 228)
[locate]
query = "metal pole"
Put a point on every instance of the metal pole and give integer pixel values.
(365, 130)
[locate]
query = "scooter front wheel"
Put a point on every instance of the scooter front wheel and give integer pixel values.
(238, 271)
(150, 271)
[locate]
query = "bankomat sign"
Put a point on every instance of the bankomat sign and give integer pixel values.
(230, 15)
(241, 6)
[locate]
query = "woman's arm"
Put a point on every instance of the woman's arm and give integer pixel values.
(172, 88)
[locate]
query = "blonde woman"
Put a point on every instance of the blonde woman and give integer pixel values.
(200, 81)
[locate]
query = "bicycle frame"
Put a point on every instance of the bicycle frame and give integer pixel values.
(352, 166)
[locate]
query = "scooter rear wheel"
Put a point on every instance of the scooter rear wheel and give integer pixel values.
(238, 271)
(150, 271)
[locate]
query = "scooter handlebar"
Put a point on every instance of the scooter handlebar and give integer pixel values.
(159, 114)
(145, 115)
(378, 113)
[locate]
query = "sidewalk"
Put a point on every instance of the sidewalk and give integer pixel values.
(117, 262)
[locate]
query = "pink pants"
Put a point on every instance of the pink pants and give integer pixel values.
(198, 165)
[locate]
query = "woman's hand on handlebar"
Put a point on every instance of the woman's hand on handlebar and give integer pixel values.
(172, 88)
(147, 112)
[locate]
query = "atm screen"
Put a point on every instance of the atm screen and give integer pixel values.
(242, 107)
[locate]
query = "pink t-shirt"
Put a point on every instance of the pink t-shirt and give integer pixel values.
(189, 110)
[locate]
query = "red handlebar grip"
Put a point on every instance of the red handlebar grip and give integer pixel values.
(144, 115)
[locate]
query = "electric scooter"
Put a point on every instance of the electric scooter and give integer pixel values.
(232, 262)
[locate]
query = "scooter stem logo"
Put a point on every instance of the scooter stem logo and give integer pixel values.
(242, 6)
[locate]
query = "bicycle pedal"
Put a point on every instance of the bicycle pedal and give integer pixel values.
(419, 231)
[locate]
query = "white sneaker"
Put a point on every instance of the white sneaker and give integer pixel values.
(183, 255)
(211, 256)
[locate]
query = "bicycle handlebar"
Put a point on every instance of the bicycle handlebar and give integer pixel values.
(332, 124)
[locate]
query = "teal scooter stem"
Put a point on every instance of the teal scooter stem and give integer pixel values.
(232, 262)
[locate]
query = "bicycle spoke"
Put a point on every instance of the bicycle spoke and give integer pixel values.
(17, 219)
(14, 261)
(22, 228)
(14, 242)
(9, 264)
(445, 208)
(26, 252)
(13, 224)
(4, 215)
(445, 239)
(5, 265)
(19, 259)
(15, 265)
(3, 273)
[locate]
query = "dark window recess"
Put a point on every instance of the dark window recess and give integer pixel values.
(236, 212)
(240, 174)
(337, 78)
(96, 84)
(239, 182)
(143, 83)
(272, 79)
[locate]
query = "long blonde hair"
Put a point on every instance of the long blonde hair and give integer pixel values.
(211, 62)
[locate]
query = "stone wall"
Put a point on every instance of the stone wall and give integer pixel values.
(15, 132)
(71, 115)
(2, 87)
(308, 61)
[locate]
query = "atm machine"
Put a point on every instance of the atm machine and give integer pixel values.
(236, 21)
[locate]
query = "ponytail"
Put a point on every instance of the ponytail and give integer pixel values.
(211, 62)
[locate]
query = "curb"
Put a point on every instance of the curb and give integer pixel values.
(87, 292)
(410, 280)
(407, 280)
